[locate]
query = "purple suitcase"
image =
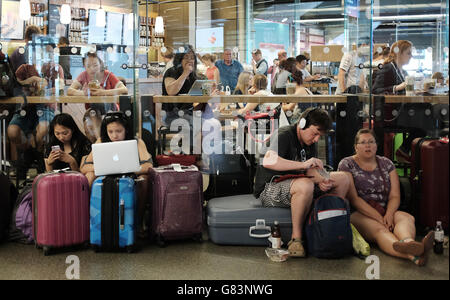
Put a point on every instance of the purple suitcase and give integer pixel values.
(177, 203)
(60, 210)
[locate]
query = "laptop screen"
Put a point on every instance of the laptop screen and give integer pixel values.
(116, 158)
(196, 89)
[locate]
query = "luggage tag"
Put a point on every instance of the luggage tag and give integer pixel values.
(177, 168)
(60, 171)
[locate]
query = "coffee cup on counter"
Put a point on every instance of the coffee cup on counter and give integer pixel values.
(290, 88)
(410, 80)
(94, 84)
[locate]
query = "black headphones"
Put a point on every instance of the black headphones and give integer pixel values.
(304, 121)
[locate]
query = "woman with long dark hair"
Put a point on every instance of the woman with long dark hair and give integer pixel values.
(179, 80)
(67, 144)
(116, 127)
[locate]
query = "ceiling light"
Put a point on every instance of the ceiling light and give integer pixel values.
(159, 25)
(101, 17)
(24, 10)
(65, 17)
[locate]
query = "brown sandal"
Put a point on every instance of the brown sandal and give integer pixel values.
(412, 248)
(427, 243)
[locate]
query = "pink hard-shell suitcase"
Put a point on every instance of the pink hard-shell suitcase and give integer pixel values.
(177, 203)
(60, 210)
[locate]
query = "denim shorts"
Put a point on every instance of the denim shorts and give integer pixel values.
(28, 123)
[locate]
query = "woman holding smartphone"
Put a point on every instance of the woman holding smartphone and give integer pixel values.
(66, 146)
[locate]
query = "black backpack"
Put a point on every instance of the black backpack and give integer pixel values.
(9, 196)
(328, 231)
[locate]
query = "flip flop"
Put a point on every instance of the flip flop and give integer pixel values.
(412, 248)
(427, 242)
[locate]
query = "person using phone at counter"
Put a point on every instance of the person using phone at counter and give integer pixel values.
(179, 80)
(96, 80)
(66, 146)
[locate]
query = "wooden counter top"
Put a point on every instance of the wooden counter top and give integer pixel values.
(439, 99)
(251, 99)
(62, 99)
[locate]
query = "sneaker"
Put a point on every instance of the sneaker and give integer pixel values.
(295, 248)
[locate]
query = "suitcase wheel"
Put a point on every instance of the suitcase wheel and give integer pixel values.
(160, 241)
(96, 248)
(198, 238)
(130, 249)
(46, 251)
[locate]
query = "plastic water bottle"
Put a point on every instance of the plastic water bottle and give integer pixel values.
(438, 238)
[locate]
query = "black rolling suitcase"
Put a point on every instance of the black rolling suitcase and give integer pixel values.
(230, 174)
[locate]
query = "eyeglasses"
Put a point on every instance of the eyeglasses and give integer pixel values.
(372, 142)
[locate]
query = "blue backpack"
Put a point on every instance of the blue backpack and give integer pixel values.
(328, 230)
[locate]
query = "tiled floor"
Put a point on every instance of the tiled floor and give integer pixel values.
(194, 261)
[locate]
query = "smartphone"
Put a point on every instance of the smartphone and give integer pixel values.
(56, 148)
(323, 173)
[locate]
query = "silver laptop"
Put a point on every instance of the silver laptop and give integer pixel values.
(116, 158)
(196, 88)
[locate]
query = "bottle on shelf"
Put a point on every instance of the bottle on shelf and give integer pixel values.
(438, 238)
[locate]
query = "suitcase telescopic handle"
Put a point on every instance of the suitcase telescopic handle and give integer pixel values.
(260, 225)
(122, 214)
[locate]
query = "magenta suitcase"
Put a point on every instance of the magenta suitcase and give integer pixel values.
(177, 203)
(60, 210)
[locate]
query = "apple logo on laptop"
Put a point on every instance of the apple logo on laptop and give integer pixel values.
(116, 158)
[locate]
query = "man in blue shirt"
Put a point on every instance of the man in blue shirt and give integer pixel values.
(229, 70)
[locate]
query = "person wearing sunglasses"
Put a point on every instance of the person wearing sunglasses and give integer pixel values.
(374, 194)
(116, 127)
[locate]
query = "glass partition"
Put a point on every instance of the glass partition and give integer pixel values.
(377, 64)
(67, 63)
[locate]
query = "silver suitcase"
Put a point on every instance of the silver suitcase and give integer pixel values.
(241, 220)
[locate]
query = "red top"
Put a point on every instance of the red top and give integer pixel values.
(210, 72)
(109, 77)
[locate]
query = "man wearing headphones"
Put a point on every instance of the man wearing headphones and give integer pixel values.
(292, 152)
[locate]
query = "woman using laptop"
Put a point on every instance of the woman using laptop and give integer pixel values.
(115, 128)
(67, 144)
